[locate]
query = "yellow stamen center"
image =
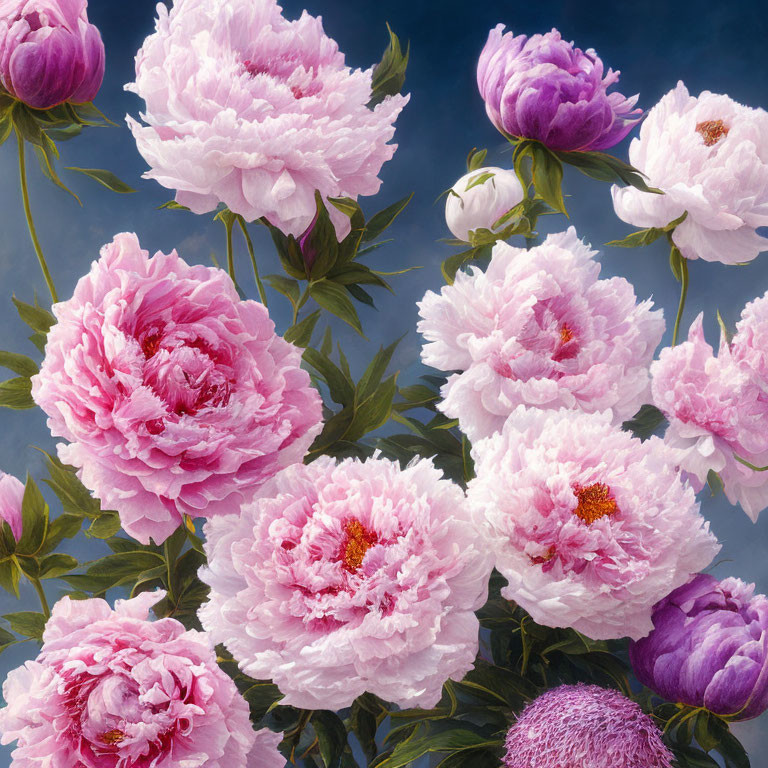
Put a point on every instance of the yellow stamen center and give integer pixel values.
(112, 737)
(595, 501)
(359, 540)
(712, 131)
(566, 334)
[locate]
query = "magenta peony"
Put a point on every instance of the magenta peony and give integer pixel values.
(709, 155)
(11, 496)
(718, 408)
(111, 689)
(539, 328)
(479, 198)
(351, 577)
(590, 526)
(585, 726)
(545, 89)
(175, 396)
(49, 53)
(248, 109)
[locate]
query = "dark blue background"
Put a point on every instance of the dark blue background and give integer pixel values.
(714, 46)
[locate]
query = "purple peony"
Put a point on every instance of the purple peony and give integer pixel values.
(49, 53)
(543, 88)
(709, 647)
(585, 726)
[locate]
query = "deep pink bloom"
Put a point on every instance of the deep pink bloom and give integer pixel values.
(708, 648)
(11, 496)
(246, 108)
(590, 526)
(539, 328)
(351, 577)
(718, 408)
(543, 88)
(585, 726)
(49, 53)
(111, 689)
(176, 397)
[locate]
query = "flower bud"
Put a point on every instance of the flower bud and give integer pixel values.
(708, 648)
(478, 199)
(49, 53)
(545, 89)
(11, 497)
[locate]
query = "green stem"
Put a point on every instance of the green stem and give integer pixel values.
(249, 244)
(683, 294)
(750, 465)
(168, 571)
(228, 223)
(30, 222)
(43, 601)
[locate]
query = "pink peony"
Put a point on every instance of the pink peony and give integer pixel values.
(176, 397)
(351, 577)
(718, 407)
(111, 689)
(709, 155)
(590, 526)
(585, 726)
(248, 109)
(539, 328)
(11, 496)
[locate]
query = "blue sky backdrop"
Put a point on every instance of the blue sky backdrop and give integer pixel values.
(713, 46)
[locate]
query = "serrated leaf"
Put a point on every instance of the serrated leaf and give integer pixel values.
(333, 298)
(105, 178)
(16, 394)
(301, 333)
(21, 364)
(37, 318)
(383, 219)
(389, 74)
(27, 623)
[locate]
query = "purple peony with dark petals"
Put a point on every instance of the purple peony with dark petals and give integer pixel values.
(543, 88)
(585, 726)
(709, 648)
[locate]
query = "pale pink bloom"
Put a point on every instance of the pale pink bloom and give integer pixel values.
(718, 407)
(590, 526)
(539, 328)
(11, 496)
(176, 397)
(471, 205)
(111, 689)
(709, 155)
(246, 108)
(350, 577)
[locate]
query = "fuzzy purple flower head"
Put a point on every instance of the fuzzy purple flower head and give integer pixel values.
(585, 726)
(545, 89)
(49, 53)
(709, 647)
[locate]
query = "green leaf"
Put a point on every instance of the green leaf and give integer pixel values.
(605, 167)
(638, 239)
(321, 242)
(645, 422)
(333, 298)
(375, 411)
(374, 373)
(285, 285)
(715, 482)
(454, 740)
(16, 394)
(172, 205)
(383, 219)
(261, 696)
(9, 576)
(725, 332)
(37, 318)
(75, 498)
(27, 623)
(340, 386)
(454, 263)
(389, 74)
(476, 181)
(20, 364)
(359, 293)
(475, 159)
(34, 519)
(105, 178)
(301, 333)
(55, 565)
(47, 154)
(331, 735)
(364, 723)
(676, 262)
(104, 526)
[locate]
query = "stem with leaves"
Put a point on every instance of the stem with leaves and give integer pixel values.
(30, 222)
(41, 594)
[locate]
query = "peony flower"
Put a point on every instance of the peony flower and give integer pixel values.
(479, 198)
(539, 328)
(350, 577)
(708, 648)
(590, 526)
(175, 396)
(11, 497)
(248, 109)
(717, 410)
(49, 53)
(585, 726)
(111, 689)
(709, 155)
(545, 89)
